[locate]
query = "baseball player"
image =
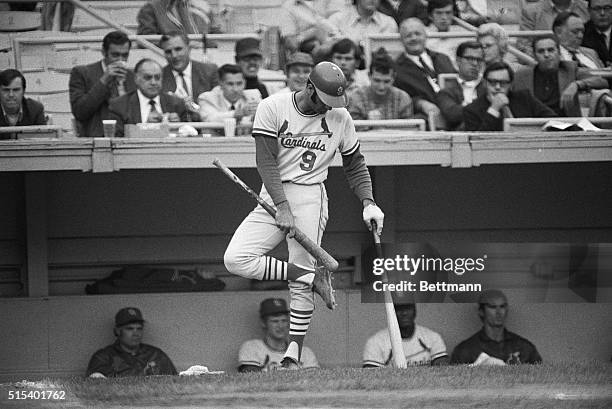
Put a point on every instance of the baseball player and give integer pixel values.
(421, 345)
(265, 354)
(296, 137)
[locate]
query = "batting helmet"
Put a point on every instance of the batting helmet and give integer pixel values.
(330, 84)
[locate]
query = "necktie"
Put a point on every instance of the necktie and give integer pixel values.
(575, 58)
(184, 83)
(120, 87)
(427, 69)
(232, 108)
(153, 108)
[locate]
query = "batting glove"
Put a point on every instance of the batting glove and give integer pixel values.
(373, 212)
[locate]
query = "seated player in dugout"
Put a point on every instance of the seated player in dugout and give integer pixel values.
(128, 355)
(498, 345)
(266, 354)
(421, 345)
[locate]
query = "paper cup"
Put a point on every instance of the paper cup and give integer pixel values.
(108, 126)
(229, 126)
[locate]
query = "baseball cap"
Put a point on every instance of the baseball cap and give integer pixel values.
(247, 46)
(488, 295)
(128, 315)
(272, 306)
(299, 58)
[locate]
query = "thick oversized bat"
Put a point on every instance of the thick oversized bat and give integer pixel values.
(310, 246)
(394, 332)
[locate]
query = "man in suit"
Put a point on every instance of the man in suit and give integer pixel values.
(569, 29)
(418, 68)
(456, 94)
(92, 86)
(147, 103)
(487, 112)
(598, 29)
(540, 16)
(554, 82)
(184, 77)
(15, 109)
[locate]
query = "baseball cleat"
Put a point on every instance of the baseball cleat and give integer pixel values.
(322, 285)
(289, 364)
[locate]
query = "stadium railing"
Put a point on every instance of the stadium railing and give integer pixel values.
(536, 124)
(32, 131)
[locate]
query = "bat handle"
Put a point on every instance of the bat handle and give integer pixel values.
(375, 232)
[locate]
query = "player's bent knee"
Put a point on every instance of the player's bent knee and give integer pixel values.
(236, 263)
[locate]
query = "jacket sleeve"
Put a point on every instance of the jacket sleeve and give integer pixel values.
(85, 103)
(590, 81)
(451, 110)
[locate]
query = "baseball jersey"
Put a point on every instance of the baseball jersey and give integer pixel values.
(307, 143)
(423, 347)
(255, 352)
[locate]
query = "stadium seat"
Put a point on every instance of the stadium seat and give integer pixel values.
(46, 82)
(19, 20)
(58, 102)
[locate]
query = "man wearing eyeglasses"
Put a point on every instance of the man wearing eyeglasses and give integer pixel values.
(494, 344)
(487, 112)
(147, 103)
(598, 29)
(456, 94)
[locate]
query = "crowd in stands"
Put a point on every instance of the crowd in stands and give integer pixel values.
(454, 82)
(493, 344)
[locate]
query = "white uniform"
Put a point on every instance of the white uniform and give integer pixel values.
(307, 144)
(256, 352)
(423, 347)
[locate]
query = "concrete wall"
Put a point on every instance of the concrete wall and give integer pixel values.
(57, 335)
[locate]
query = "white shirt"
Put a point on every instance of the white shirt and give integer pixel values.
(145, 107)
(432, 81)
(469, 90)
(566, 55)
(423, 347)
(215, 107)
(180, 92)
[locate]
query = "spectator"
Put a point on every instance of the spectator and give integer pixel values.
(227, 99)
(456, 94)
(92, 86)
(556, 83)
(298, 68)
(598, 29)
(569, 29)
(403, 9)
(16, 109)
(249, 58)
(266, 354)
(494, 41)
(380, 99)
(494, 340)
(421, 345)
(147, 103)
(487, 112)
(418, 69)
(128, 356)
(441, 14)
(185, 16)
(347, 55)
(306, 24)
(183, 76)
(362, 19)
(48, 15)
(540, 16)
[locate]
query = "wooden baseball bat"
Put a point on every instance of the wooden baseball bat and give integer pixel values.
(310, 246)
(399, 359)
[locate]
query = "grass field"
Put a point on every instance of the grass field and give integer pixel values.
(571, 385)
